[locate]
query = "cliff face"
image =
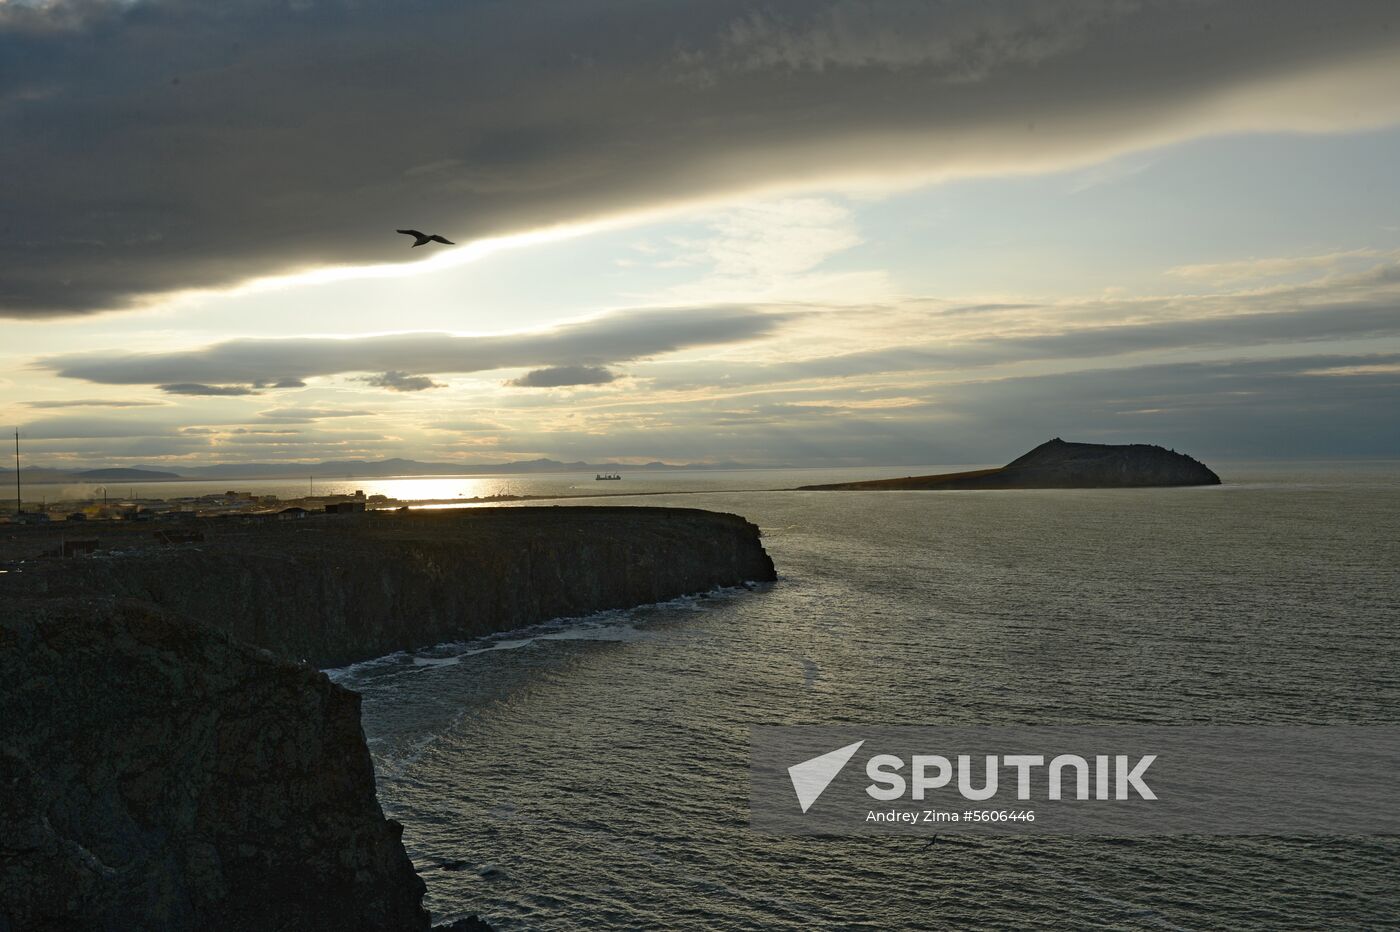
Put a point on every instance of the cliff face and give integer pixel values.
(336, 589)
(1058, 464)
(159, 776)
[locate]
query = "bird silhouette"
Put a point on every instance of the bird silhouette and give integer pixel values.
(425, 238)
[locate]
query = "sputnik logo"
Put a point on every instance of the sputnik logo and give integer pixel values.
(811, 777)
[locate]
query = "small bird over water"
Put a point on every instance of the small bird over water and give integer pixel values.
(425, 238)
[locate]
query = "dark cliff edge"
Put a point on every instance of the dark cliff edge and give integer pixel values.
(164, 766)
(335, 589)
(159, 775)
(1058, 464)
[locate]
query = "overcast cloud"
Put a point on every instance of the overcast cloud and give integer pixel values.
(838, 231)
(164, 145)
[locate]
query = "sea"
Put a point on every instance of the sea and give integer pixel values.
(591, 773)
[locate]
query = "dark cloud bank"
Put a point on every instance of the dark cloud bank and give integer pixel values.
(161, 145)
(396, 380)
(559, 376)
(571, 354)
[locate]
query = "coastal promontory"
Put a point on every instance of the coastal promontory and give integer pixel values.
(1059, 464)
(170, 757)
(334, 589)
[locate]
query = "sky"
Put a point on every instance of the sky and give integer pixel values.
(817, 232)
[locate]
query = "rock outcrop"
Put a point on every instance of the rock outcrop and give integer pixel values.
(157, 775)
(1058, 464)
(334, 589)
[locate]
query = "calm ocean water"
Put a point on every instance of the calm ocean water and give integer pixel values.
(595, 770)
(480, 486)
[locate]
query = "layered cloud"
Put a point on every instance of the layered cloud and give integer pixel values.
(161, 145)
(559, 376)
(1231, 408)
(1242, 270)
(396, 381)
(88, 403)
(198, 388)
(1362, 306)
(303, 414)
(1310, 368)
(239, 367)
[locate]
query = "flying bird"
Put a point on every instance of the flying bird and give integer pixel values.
(425, 238)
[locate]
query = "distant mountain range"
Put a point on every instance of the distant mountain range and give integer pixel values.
(358, 469)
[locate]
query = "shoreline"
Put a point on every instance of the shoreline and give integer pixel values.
(544, 629)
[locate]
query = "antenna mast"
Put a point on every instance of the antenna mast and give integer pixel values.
(19, 500)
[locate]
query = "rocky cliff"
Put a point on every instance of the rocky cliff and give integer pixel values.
(158, 775)
(333, 589)
(162, 769)
(1058, 464)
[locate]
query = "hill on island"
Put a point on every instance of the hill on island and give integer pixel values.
(1059, 464)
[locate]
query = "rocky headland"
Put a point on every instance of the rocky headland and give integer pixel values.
(167, 765)
(334, 589)
(1059, 464)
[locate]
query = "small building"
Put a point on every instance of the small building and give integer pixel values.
(342, 508)
(292, 513)
(74, 548)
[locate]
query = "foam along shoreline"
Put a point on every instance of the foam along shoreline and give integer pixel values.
(1059, 464)
(608, 625)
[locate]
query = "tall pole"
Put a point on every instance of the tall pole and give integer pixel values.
(19, 499)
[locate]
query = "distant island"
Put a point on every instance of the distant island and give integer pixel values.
(1059, 464)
